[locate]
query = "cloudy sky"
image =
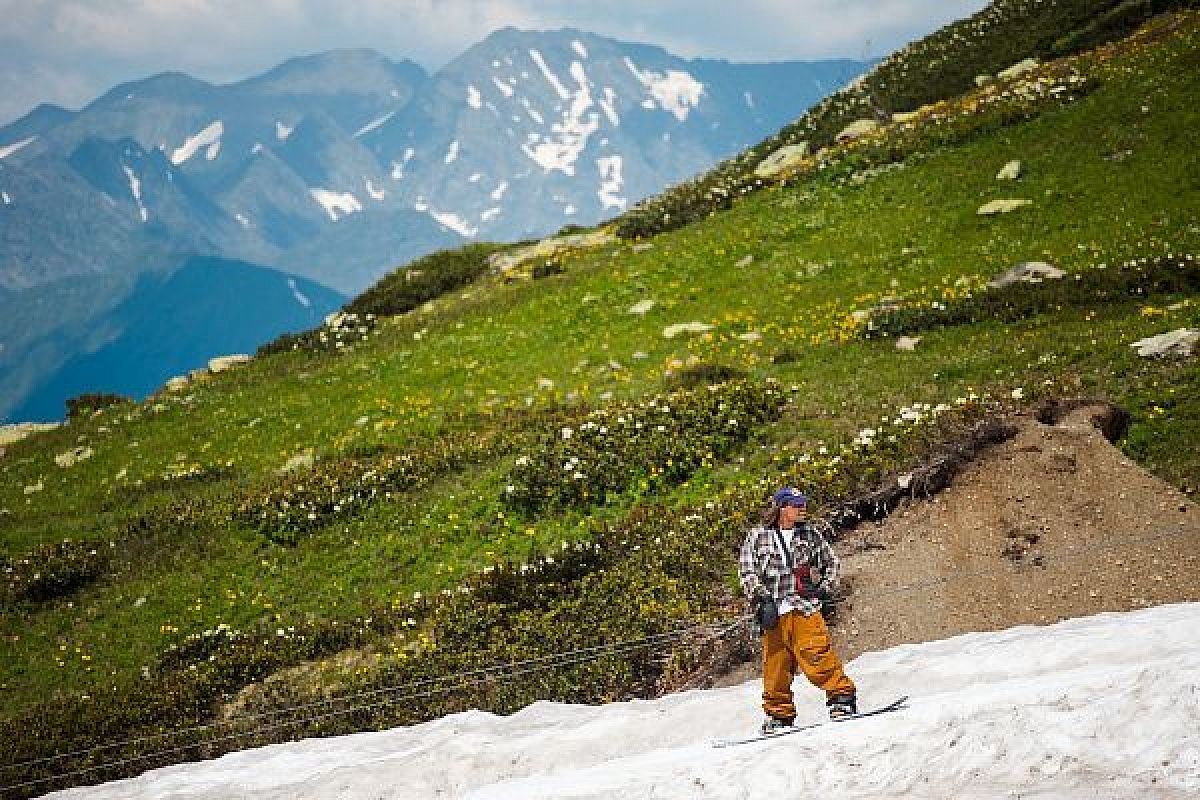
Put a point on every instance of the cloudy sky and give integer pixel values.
(70, 51)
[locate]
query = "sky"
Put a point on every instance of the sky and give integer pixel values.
(70, 51)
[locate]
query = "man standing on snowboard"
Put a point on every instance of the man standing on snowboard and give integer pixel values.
(786, 566)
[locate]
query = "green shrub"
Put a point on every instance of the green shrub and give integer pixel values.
(428, 277)
(705, 375)
(51, 571)
(85, 405)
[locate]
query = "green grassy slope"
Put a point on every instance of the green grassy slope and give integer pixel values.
(419, 427)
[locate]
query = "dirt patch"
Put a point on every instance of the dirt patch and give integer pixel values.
(1053, 523)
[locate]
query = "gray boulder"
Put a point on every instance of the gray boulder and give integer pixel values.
(1027, 272)
(1179, 343)
(782, 160)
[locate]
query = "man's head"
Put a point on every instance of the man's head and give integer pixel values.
(792, 505)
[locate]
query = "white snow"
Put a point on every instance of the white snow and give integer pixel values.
(551, 78)
(336, 202)
(506, 89)
(296, 293)
(373, 124)
(561, 150)
(675, 91)
(609, 106)
(7, 200)
(474, 99)
(135, 188)
(1099, 708)
(531, 111)
(452, 153)
(209, 138)
(474, 177)
(283, 131)
(454, 222)
(243, 220)
(375, 194)
(749, 99)
(499, 191)
(579, 48)
(569, 210)
(8, 149)
(489, 213)
(611, 181)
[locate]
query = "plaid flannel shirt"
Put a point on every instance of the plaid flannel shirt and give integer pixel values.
(764, 572)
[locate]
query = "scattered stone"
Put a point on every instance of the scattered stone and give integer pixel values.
(11, 434)
(545, 384)
(1027, 272)
(905, 116)
(745, 261)
(1003, 206)
(782, 160)
(73, 457)
(505, 263)
(1179, 343)
(750, 336)
(857, 129)
(1018, 69)
(983, 80)
(361, 422)
(1010, 171)
(305, 459)
(177, 383)
(642, 247)
(671, 331)
(222, 363)
(642, 308)
(37, 487)
(141, 601)
(908, 343)
(640, 356)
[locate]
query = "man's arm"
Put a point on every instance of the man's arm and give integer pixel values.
(831, 568)
(752, 585)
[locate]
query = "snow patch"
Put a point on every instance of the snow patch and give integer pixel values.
(454, 222)
(242, 220)
(474, 100)
(506, 89)
(376, 194)
(373, 124)
(8, 149)
(135, 188)
(1097, 707)
(474, 177)
(283, 131)
(336, 202)
(569, 210)
(533, 114)
(611, 182)
(561, 150)
(675, 91)
(7, 200)
(579, 48)
(452, 153)
(749, 99)
(499, 191)
(551, 78)
(609, 106)
(489, 214)
(296, 293)
(209, 138)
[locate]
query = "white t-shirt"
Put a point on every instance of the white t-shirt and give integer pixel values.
(788, 534)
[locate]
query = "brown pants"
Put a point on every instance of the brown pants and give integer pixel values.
(803, 642)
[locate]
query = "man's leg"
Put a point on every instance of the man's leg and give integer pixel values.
(814, 653)
(779, 667)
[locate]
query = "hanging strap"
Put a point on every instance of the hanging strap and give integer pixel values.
(784, 549)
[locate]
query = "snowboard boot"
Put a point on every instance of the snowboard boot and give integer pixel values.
(776, 724)
(842, 706)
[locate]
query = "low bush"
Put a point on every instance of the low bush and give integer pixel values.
(51, 571)
(85, 405)
(423, 280)
(705, 375)
(644, 446)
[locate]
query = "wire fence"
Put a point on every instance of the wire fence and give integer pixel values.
(313, 713)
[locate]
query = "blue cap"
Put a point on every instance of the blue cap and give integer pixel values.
(789, 496)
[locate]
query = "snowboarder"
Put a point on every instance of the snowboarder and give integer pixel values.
(786, 567)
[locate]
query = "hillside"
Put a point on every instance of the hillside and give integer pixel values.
(503, 460)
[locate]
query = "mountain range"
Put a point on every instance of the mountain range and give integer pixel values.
(338, 167)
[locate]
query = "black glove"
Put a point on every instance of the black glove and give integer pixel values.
(766, 614)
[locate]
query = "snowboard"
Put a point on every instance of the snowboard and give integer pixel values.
(895, 705)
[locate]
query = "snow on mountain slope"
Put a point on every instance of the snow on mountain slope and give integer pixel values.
(1098, 707)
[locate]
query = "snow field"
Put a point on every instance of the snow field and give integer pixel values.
(1099, 707)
